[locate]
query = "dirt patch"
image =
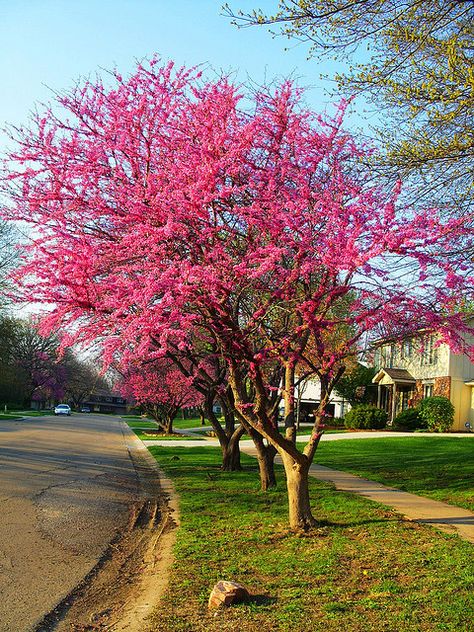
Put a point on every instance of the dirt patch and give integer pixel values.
(126, 584)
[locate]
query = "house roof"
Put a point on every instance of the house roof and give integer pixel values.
(396, 375)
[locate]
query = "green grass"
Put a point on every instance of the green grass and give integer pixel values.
(12, 416)
(136, 421)
(437, 467)
(183, 424)
(364, 570)
(142, 424)
(141, 434)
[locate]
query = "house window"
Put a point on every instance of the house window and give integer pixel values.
(378, 357)
(389, 356)
(427, 390)
(407, 349)
(428, 355)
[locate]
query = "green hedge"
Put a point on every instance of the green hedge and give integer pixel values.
(437, 412)
(409, 419)
(367, 417)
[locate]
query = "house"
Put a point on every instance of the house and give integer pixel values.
(308, 396)
(105, 401)
(415, 368)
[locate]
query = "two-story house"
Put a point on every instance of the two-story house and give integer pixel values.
(415, 368)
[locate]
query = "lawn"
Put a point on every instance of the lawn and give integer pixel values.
(365, 569)
(437, 467)
(11, 416)
(33, 413)
(143, 423)
(136, 421)
(141, 434)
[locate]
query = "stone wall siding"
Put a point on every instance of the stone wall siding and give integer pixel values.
(442, 386)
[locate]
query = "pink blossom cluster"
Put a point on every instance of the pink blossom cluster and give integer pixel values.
(170, 212)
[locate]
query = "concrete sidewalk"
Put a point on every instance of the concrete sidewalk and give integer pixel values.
(418, 508)
(425, 510)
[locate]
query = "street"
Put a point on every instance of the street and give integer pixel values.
(66, 488)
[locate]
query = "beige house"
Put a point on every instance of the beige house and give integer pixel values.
(413, 369)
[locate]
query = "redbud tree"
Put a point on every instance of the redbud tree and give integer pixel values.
(166, 207)
(161, 390)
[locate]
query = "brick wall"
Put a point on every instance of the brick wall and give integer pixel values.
(442, 386)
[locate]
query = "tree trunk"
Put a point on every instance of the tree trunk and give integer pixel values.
(300, 516)
(289, 399)
(228, 439)
(266, 460)
(168, 425)
(266, 466)
(231, 456)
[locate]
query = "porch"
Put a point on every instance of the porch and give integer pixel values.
(396, 388)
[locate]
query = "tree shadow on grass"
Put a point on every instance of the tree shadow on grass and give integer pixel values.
(326, 524)
(261, 600)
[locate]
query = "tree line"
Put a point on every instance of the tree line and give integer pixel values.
(33, 375)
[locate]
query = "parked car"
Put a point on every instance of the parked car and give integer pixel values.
(62, 409)
(85, 409)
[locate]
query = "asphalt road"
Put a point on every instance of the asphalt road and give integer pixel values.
(66, 488)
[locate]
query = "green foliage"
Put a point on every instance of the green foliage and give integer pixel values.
(336, 422)
(437, 412)
(367, 417)
(409, 419)
(419, 69)
(8, 258)
(356, 384)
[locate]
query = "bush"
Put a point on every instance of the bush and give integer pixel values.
(335, 422)
(409, 419)
(437, 412)
(366, 417)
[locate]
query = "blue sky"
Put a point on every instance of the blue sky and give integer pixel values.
(51, 43)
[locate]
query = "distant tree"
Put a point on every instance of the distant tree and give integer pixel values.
(415, 59)
(161, 390)
(35, 362)
(11, 389)
(170, 206)
(81, 378)
(356, 384)
(8, 259)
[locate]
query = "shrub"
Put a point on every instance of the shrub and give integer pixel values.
(334, 422)
(409, 419)
(366, 417)
(437, 412)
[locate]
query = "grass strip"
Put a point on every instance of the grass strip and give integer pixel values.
(142, 434)
(441, 468)
(142, 424)
(365, 569)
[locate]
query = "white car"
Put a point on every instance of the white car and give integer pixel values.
(62, 409)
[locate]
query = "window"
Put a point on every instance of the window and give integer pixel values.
(427, 390)
(389, 356)
(428, 355)
(407, 349)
